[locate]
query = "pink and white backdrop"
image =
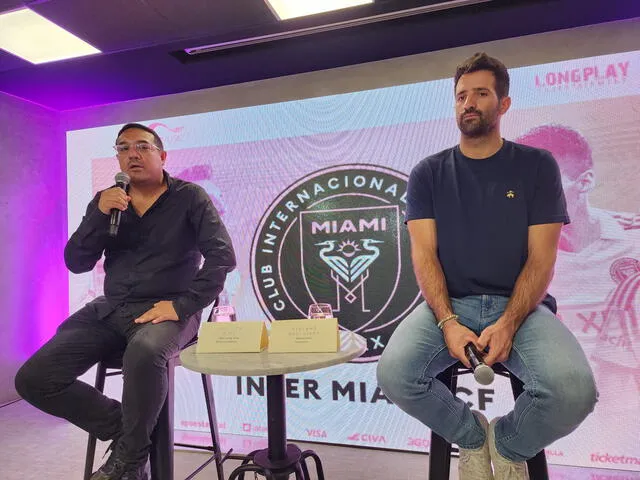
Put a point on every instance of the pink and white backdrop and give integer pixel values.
(296, 181)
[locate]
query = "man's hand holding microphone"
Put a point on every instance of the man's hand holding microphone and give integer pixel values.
(465, 345)
(114, 201)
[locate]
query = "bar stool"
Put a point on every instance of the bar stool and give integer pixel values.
(440, 450)
(162, 444)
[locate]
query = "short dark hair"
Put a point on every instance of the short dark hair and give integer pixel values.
(156, 138)
(482, 61)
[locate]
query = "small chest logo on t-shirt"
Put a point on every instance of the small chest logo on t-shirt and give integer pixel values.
(510, 194)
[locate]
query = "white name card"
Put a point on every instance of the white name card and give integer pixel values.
(226, 337)
(304, 336)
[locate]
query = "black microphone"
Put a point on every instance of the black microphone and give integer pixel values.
(122, 181)
(482, 372)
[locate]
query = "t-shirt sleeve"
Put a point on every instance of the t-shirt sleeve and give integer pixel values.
(549, 204)
(420, 193)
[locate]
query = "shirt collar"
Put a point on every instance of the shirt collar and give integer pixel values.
(610, 229)
(169, 179)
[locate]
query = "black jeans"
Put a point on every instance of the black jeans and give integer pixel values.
(49, 379)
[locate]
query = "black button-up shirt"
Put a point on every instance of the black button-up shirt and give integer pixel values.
(157, 256)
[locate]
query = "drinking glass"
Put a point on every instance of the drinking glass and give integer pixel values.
(320, 310)
(223, 313)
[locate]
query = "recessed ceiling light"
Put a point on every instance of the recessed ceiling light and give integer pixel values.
(30, 36)
(285, 9)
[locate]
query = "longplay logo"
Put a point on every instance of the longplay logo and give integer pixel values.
(589, 75)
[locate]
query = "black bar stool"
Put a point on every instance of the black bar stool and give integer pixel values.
(440, 450)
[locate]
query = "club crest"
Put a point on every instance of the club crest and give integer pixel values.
(337, 237)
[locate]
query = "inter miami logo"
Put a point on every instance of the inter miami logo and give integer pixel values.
(336, 236)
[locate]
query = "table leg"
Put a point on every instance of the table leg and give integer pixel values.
(280, 457)
(276, 418)
(279, 461)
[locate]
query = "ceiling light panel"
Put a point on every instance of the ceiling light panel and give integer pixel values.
(28, 35)
(286, 9)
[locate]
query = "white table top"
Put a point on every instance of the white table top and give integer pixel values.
(265, 363)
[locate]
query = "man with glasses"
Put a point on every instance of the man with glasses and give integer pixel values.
(154, 293)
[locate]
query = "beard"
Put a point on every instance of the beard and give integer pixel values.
(478, 126)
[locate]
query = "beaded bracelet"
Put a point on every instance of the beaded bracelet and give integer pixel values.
(441, 323)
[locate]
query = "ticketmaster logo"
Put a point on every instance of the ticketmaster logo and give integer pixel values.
(618, 459)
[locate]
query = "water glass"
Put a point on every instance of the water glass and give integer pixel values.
(223, 313)
(320, 310)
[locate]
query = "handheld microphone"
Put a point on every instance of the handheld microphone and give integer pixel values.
(483, 373)
(122, 181)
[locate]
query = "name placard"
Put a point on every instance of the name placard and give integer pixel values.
(304, 336)
(226, 337)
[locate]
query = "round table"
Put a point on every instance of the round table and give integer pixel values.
(278, 460)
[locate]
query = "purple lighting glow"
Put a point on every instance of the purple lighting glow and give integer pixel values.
(33, 208)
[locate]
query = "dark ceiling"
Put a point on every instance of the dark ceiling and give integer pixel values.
(144, 41)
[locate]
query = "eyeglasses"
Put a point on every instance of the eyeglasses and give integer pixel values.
(141, 148)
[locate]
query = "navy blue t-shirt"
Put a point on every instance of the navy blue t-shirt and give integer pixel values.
(483, 209)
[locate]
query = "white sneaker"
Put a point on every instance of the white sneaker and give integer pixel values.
(475, 464)
(503, 468)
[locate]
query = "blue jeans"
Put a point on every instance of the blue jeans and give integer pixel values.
(559, 389)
